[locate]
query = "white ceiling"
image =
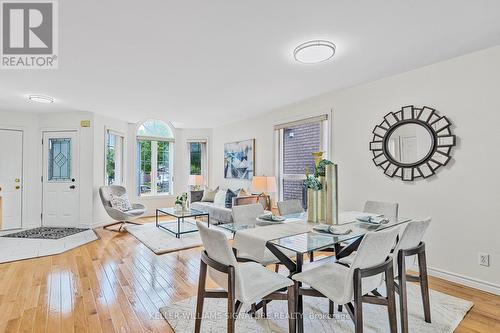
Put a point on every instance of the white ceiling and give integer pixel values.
(206, 63)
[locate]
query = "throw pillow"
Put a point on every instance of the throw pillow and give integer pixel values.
(209, 195)
(229, 198)
(120, 202)
(220, 198)
(243, 193)
(196, 196)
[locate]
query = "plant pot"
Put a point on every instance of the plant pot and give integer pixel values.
(178, 208)
(312, 206)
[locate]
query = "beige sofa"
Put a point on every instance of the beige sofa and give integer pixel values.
(219, 213)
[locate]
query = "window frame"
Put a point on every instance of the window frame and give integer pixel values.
(325, 134)
(204, 157)
(109, 131)
(154, 161)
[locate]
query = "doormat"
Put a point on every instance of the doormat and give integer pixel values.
(46, 233)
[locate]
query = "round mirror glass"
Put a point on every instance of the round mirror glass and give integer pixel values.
(409, 143)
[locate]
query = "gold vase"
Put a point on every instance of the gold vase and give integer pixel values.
(332, 203)
(322, 204)
(312, 206)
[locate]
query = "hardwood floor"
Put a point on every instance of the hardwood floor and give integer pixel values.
(116, 284)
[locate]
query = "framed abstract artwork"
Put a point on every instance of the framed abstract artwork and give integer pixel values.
(239, 159)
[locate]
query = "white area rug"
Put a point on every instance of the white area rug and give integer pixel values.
(446, 312)
(161, 241)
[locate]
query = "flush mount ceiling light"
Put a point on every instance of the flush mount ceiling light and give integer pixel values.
(41, 99)
(314, 52)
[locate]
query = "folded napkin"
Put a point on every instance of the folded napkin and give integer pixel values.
(332, 230)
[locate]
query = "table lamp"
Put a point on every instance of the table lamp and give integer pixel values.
(196, 181)
(264, 185)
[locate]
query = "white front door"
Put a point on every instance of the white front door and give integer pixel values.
(60, 179)
(11, 183)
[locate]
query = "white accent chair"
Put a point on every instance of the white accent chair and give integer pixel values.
(409, 245)
(243, 283)
(122, 217)
(350, 285)
(290, 207)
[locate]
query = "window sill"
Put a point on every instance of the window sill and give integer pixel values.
(158, 196)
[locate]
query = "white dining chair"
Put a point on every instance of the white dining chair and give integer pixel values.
(410, 244)
(387, 209)
(290, 207)
(247, 214)
(372, 266)
(243, 283)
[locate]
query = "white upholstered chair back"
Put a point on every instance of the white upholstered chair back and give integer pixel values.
(372, 251)
(411, 237)
(388, 209)
(218, 249)
(290, 207)
(247, 214)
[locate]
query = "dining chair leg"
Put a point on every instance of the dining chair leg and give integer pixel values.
(403, 301)
(201, 296)
(253, 309)
(311, 256)
(230, 300)
(291, 309)
(358, 303)
(340, 308)
(264, 309)
(276, 268)
(331, 305)
(391, 299)
(424, 285)
(298, 309)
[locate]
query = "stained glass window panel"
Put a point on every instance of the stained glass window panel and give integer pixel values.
(59, 159)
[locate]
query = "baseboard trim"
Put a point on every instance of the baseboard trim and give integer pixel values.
(464, 280)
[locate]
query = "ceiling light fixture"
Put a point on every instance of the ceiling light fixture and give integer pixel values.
(314, 52)
(41, 99)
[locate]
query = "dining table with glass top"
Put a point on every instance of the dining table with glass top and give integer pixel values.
(296, 235)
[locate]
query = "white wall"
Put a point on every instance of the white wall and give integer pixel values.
(462, 199)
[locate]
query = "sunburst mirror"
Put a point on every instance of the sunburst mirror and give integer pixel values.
(412, 143)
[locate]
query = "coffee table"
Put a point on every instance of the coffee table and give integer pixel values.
(186, 220)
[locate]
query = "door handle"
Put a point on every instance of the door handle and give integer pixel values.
(72, 187)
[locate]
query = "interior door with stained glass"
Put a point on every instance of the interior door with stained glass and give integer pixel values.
(60, 179)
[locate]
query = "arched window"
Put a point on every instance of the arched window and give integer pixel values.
(154, 158)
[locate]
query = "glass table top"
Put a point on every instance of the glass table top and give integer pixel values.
(314, 241)
(181, 213)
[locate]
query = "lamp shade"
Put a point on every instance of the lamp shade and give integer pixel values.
(264, 184)
(196, 180)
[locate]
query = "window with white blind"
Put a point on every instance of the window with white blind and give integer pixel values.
(197, 152)
(296, 142)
